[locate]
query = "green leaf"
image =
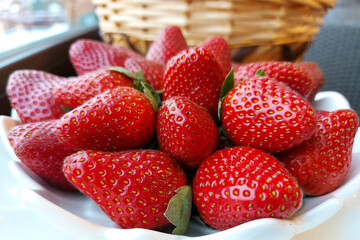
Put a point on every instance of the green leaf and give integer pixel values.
(138, 80)
(123, 71)
(260, 73)
(66, 108)
(141, 85)
(151, 97)
(178, 211)
(228, 84)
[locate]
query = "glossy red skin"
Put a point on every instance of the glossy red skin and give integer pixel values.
(30, 94)
(316, 74)
(115, 120)
(38, 147)
(77, 90)
(195, 74)
(89, 55)
(186, 131)
(265, 114)
(168, 43)
(221, 50)
(322, 163)
(152, 71)
(240, 184)
(132, 187)
(286, 72)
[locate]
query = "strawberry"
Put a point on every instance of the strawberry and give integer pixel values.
(152, 71)
(235, 65)
(168, 43)
(195, 74)
(315, 73)
(266, 114)
(240, 184)
(132, 187)
(38, 147)
(30, 94)
(291, 74)
(221, 50)
(77, 90)
(322, 163)
(118, 119)
(89, 55)
(186, 131)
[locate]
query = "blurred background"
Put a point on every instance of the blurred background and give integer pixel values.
(26, 21)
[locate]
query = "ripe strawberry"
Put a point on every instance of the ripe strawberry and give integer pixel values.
(89, 55)
(132, 187)
(38, 147)
(186, 131)
(265, 114)
(322, 163)
(152, 71)
(195, 74)
(289, 73)
(167, 44)
(240, 184)
(77, 90)
(221, 50)
(315, 74)
(30, 94)
(118, 119)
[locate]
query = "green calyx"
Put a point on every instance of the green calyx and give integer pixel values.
(260, 73)
(227, 85)
(178, 211)
(66, 109)
(141, 84)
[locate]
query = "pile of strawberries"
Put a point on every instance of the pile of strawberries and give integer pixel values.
(146, 137)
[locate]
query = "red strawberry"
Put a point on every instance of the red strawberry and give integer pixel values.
(77, 90)
(235, 65)
(264, 113)
(132, 187)
(287, 72)
(130, 53)
(90, 55)
(152, 71)
(221, 50)
(195, 74)
(315, 74)
(167, 44)
(240, 184)
(186, 131)
(322, 163)
(117, 119)
(30, 94)
(38, 147)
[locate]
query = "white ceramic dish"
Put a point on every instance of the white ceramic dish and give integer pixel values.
(82, 219)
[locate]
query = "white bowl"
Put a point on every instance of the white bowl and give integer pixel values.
(81, 218)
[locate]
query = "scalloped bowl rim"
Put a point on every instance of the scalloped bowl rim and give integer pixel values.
(60, 209)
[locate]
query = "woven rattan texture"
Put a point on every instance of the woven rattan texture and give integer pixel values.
(243, 23)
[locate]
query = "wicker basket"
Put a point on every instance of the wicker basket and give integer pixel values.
(254, 29)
